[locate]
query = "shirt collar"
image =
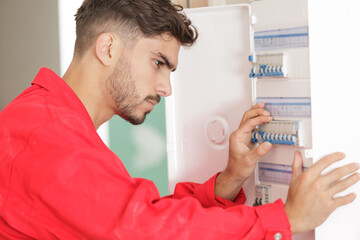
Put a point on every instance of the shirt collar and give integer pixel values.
(61, 91)
(49, 80)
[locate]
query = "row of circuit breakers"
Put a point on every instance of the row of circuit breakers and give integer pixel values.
(279, 132)
(268, 65)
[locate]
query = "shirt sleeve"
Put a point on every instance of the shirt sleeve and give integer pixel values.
(73, 190)
(273, 216)
(205, 194)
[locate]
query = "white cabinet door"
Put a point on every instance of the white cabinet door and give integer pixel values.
(211, 91)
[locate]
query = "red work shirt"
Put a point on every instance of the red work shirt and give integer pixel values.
(59, 181)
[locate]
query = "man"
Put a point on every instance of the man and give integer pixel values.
(59, 181)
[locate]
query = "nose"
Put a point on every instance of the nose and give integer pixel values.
(164, 86)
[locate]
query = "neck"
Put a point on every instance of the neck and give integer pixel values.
(88, 81)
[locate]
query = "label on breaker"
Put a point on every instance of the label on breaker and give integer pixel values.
(287, 106)
(274, 173)
(281, 38)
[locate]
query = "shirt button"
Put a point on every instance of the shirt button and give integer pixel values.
(277, 236)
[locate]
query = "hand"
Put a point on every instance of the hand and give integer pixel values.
(311, 195)
(242, 160)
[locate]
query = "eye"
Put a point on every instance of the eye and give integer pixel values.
(158, 63)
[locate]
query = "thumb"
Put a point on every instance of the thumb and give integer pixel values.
(297, 166)
(260, 151)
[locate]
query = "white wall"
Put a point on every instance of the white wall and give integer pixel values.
(334, 30)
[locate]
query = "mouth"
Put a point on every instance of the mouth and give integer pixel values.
(152, 102)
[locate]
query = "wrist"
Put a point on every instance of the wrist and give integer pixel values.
(291, 220)
(230, 177)
(226, 186)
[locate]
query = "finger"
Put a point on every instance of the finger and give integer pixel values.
(325, 162)
(345, 184)
(254, 113)
(297, 166)
(258, 152)
(341, 201)
(250, 124)
(340, 172)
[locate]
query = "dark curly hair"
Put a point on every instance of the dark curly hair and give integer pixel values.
(131, 19)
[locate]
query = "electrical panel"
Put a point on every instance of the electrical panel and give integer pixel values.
(280, 78)
(254, 59)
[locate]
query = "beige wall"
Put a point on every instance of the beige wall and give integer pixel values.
(204, 3)
(29, 40)
(193, 3)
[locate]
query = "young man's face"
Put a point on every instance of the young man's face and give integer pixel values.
(142, 76)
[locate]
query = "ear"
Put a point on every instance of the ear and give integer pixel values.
(104, 48)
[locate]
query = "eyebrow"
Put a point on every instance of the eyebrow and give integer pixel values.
(166, 60)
